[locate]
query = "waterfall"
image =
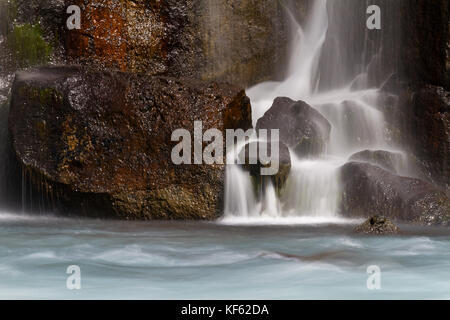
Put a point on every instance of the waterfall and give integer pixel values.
(319, 75)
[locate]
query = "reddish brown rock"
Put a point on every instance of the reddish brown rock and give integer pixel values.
(103, 26)
(203, 39)
(99, 143)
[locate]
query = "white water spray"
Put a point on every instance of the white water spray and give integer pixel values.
(312, 191)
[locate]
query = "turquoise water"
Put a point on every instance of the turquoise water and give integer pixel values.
(181, 260)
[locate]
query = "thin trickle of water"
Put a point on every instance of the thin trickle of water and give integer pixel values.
(4, 112)
(18, 191)
(239, 195)
(337, 89)
(271, 204)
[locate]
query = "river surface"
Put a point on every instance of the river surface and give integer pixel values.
(278, 259)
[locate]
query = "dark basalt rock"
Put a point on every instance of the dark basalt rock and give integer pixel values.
(430, 132)
(99, 143)
(377, 225)
(422, 116)
(284, 164)
(10, 174)
(425, 36)
(369, 190)
(383, 159)
(302, 128)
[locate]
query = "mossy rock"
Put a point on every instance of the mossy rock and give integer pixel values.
(28, 46)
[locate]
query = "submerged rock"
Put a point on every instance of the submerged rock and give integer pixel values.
(99, 143)
(302, 128)
(369, 190)
(283, 164)
(378, 225)
(383, 159)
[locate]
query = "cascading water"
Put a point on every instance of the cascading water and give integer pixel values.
(342, 95)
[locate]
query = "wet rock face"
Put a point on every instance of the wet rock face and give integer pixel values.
(242, 41)
(10, 189)
(126, 35)
(383, 159)
(377, 225)
(284, 164)
(423, 119)
(220, 40)
(369, 190)
(302, 128)
(424, 40)
(431, 132)
(99, 143)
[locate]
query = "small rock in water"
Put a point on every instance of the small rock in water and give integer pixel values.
(378, 225)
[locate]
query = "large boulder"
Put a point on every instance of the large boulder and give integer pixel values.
(99, 143)
(302, 128)
(369, 190)
(425, 35)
